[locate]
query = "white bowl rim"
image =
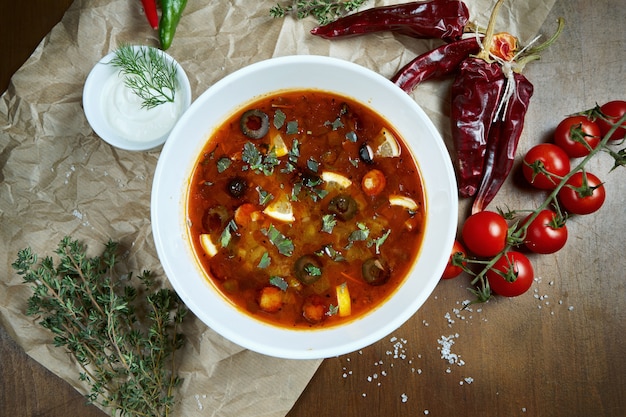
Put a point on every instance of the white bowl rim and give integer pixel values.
(168, 206)
(91, 105)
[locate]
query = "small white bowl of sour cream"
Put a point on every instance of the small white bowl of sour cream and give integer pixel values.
(116, 114)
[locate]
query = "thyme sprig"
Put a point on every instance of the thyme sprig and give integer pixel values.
(147, 73)
(123, 338)
(325, 11)
(516, 233)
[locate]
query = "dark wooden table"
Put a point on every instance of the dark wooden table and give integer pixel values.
(556, 351)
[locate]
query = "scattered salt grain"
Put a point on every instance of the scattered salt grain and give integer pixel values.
(404, 397)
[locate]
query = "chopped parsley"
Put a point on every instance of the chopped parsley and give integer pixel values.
(280, 241)
(265, 261)
(279, 282)
(337, 124)
(328, 223)
(227, 234)
(292, 127)
(223, 163)
(358, 235)
(292, 157)
(257, 162)
(279, 118)
(264, 196)
(379, 241)
(312, 270)
(332, 253)
(351, 136)
(332, 310)
(312, 164)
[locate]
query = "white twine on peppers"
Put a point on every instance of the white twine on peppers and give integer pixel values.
(508, 69)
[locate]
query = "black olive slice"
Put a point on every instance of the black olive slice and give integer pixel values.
(254, 123)
(375, 271)
(366, 153)
(236, 187)
(308, 269)
(343, 206)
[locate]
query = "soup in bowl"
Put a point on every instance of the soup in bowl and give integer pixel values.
(304, 207)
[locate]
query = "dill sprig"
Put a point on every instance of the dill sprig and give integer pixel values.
(147, 73)
(124, 338)
(325, 11)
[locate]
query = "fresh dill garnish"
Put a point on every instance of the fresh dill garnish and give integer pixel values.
(147, 73)
(123, 338)
(325, 11)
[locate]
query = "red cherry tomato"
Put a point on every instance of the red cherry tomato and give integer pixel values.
(582, 200)
(547, 233)
(614, 110)
(511, 275)
(484, 233)
(572, 134)
(552, 158)
(453, 271)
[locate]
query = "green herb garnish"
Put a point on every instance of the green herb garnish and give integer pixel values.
(265, 261)
(227, 234)
(279, 118)
(280, 241)
(279, 282)
(264, 196)
(292, 127)
(328, 223)
(257, 161)
(223, 163)
(123, 342)
(324, 11)
(147, 73)
(358, 235)
(377, 243)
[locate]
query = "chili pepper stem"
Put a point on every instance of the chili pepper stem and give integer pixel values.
(533, 53)
(491, 27)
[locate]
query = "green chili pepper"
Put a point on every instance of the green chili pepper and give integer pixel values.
(171, 10)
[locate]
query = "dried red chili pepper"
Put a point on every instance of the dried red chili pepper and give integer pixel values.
(439, 62)
(489, 104)
(444, 19)
(150, 10)
(504, 135)
(476, 92)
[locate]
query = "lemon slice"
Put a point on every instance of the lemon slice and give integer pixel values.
(278, 144)
(344, 304)
(280, 209)
(403, 201)
(208, 245)
(389, 146)
(342, 181)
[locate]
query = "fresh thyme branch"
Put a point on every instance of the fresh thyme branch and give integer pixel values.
(325, 11)
(124, 337)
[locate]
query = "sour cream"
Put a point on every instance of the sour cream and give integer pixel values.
(123, 112)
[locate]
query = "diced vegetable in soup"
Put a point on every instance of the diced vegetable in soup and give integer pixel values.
(306, 209)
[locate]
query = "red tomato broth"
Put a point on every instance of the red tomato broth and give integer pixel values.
(326, 129)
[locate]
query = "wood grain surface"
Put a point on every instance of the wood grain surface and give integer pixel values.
(556, 351)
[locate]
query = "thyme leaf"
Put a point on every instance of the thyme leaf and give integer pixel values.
(124, 342)
(324, 11)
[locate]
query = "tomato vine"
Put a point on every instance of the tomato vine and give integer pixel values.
(482, 269)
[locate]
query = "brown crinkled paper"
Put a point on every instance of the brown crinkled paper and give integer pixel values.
(58, 178)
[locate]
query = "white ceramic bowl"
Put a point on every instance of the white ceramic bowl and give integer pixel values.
(181, 151)
(119, 126)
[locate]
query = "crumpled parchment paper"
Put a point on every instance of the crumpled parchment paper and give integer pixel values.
(58, 178)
